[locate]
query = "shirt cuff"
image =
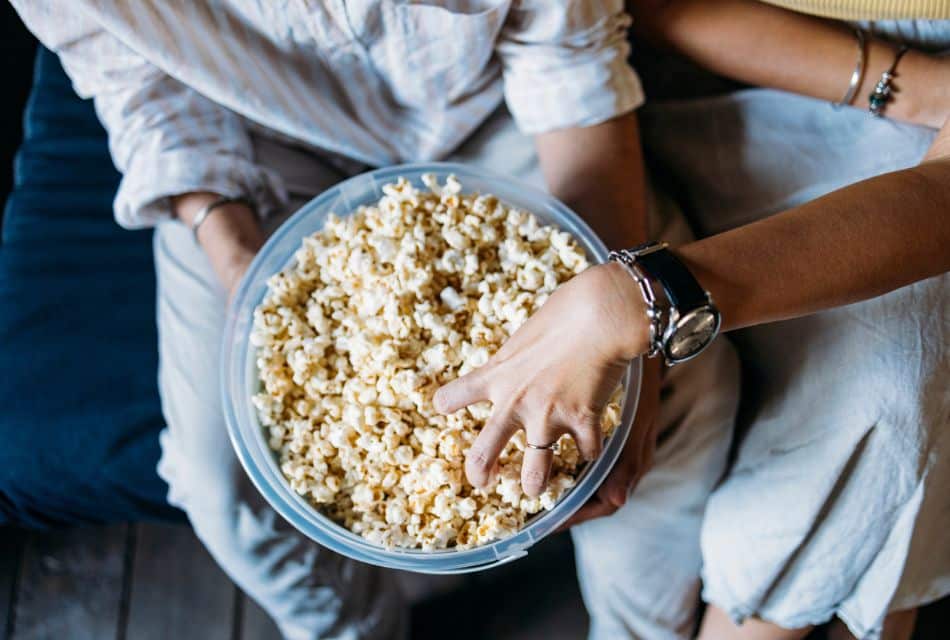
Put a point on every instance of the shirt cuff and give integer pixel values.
(576, 96)
(144, 194)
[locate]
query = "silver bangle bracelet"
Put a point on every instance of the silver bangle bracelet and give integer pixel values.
(858, 74)
(206, 210)
(654, 314)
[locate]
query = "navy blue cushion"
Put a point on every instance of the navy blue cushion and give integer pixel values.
(79, 408)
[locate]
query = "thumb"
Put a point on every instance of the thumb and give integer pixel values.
(616, 489)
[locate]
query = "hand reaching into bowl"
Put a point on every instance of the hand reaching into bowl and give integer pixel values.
(555, 375)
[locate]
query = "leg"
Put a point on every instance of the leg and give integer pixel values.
(812, 522)
(897, 626)
(310, 591)
(900, 625)
(718, 626)
(639, 568)
(647, 587)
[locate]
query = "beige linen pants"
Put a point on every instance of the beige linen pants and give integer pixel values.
(639, 569)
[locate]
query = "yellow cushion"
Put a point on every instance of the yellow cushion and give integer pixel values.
(870, 9)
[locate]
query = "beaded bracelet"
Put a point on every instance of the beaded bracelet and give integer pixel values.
(883, 91)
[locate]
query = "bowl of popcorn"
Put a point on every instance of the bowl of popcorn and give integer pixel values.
(355, 311)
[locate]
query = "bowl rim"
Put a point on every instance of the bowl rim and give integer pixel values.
(236, 351)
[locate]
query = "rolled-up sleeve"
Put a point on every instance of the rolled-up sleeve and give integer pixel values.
(565, 63)
(165, 138)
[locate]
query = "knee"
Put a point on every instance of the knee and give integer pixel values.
(643, 588)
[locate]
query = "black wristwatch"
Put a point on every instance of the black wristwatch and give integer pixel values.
(690, 321)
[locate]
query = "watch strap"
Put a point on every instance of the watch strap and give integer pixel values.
(681, 287)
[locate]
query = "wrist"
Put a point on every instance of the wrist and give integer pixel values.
(628, 315)
(231, 240)
(920, 94)
(231, 268)
(230, 237)
(928, 99)
(186, 206)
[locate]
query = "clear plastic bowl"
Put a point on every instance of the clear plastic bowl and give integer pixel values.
(239, 375)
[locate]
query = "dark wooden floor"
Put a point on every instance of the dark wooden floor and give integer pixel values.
(156, 582)
(123, 581)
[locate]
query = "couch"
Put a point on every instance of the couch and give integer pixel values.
(79, 407)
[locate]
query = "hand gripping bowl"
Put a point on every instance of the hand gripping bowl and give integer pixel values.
(239, 375)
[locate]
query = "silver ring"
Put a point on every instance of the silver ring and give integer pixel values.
(546, 447)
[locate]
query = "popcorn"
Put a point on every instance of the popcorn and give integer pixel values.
(379, 309)
(451, 298)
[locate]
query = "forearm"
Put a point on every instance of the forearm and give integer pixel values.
(598, 172)
(765, 46)
(230, 236)
(855, 243)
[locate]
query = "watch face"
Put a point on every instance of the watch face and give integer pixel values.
(693, 332)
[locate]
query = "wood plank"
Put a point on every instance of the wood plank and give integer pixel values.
(70, 584)
(419, 587)
(255, 623)
(177, 590)
(11, 548)
(516, 612)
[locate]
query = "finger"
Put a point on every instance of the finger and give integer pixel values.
(584, 427)
(594, 508)
(535, 470)
(536, 464)
(463, 391)
(637, 457)
(616, 488)
(484, 452)
(619, 482)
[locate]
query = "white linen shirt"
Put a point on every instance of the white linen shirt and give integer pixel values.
(179, 84)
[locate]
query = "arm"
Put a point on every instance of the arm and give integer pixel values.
(554, 370)
(589, 148)
(231, 236)
(765, 46)
(850, 245)
(598, 171)
(573, 55)
(821, 254)
(855, 243)
(165, 138)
